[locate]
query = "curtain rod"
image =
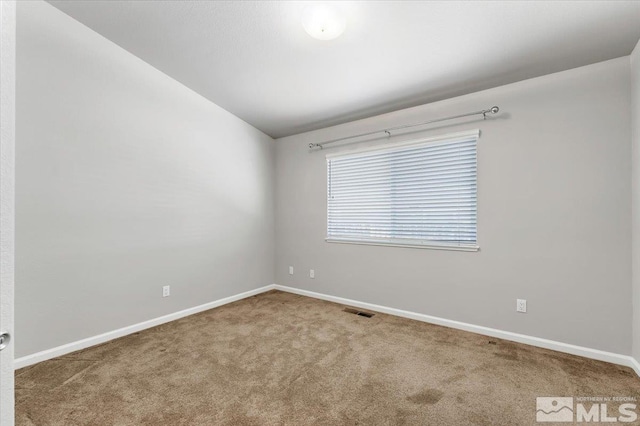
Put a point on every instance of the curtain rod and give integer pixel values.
(484, 112)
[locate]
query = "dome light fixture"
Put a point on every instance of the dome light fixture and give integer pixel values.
(323, 21)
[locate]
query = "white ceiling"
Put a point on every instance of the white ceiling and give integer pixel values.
(255, 59)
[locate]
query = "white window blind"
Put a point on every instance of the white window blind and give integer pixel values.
(423, 193)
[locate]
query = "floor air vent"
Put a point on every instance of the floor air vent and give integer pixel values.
(359, 313)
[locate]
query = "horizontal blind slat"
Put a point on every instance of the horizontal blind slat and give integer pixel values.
(418, 198)
(422, 161)
(461, 166)
(440, 188)
(444, 237)
(406, 152)
(408, 231)
(406, 181)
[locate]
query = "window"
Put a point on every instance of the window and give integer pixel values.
(418, 194)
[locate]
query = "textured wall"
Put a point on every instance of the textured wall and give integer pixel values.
(126, 181)
(554, 204)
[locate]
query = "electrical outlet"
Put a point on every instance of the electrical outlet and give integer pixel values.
(290, 270)
(521, 305)
(312, 273)
(166, 291)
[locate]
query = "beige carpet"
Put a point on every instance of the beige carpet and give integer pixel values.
(278, 358)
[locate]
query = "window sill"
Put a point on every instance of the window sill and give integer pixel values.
(432, 246)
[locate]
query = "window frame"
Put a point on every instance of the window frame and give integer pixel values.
(433, 245)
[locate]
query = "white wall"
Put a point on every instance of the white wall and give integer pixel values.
(126, 181)
(554, 215)
(635, 142)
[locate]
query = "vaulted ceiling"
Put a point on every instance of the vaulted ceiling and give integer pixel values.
(255, 59)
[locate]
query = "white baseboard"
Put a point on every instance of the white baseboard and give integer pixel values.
(110, 335)
(635, 365)
(597, 354)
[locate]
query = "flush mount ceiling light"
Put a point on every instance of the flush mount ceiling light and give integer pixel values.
(323, 21)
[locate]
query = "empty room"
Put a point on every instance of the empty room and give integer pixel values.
(319, 213)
